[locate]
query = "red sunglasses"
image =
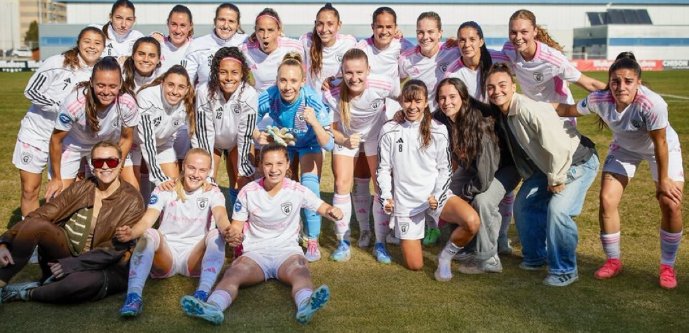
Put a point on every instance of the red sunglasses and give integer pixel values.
(112, 162)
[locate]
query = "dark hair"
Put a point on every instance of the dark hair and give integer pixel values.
(316, 51)
(343, 103)
(128, 67)
(72, 55)
(470, 128)
(542, 34)
(624, 60)
(188, 98)
(108, 144)
(224, 52)
(91, 105)
(413, 89)
(501, 68)
(232, 7)
(266, 11)
(431, 16)
(271, 147)
(182, 9)
(383, 10)
(486, 61)
(117, 4)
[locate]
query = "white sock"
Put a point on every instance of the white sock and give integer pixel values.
(213, 259)
(344, 203)
(361, 198)
(669, 244)
(220, 298)
(142, 260)
(381, 221)
(448, 251)
(611, 245)
(302, 295)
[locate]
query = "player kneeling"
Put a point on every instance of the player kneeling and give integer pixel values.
(271, 208)
(184, 243)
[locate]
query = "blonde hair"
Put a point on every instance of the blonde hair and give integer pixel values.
(293, 58)
(343, 103)
(179, 185)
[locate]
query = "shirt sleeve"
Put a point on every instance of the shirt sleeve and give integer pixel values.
(444, 165)
(204, 134)
(39, 84)
(129, 111)
(217, 199)
(149, 148)
(65, 119)
(584, 107)
(192, 64)
(655, 117)
(554, 140)
(310, 200)
(247, 124)
(384, 170)
(159, 199)
(567, 71)
(240, 211)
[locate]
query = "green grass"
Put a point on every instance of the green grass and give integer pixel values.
(367, 296)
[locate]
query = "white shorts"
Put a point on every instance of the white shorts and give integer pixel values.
(182, 142)
(270, 262)
(71, 161)
(370, 148)
(29, 158)
(624, 162)
(165, 154)
(414, 227)
(180, 260)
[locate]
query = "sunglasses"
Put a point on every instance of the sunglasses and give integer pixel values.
(112, 162)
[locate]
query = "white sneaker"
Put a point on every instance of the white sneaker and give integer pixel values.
(365, 238)
(491, 265)
(391, 239)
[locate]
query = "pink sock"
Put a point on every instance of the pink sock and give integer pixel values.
(611, 245)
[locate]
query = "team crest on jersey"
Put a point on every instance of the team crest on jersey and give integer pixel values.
(404, 227)
(237, 206)
(339, 58)
(286, 208)
(637, 123)
(538, 76)
(376, 103)
(236, 108)
(65, 119)
(176, 122)
(443, 66)
(26, 158)
(202, 203)
(156, 121)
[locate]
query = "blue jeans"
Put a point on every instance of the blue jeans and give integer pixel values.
(544, 220)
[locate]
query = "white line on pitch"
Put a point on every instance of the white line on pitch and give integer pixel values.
(675, 96)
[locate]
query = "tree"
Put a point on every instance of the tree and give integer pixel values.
(31, 36)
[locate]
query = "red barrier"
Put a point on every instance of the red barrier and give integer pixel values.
(603, 65)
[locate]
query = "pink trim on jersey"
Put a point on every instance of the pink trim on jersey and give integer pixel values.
(127, 100)
(77, 105)
(455, 66)
(409, 52)
(538, 52)
(642, 100)
(335, 92)
(560, 86)
(601, 97)
(378, 84)
(284, 42)
(497, 55)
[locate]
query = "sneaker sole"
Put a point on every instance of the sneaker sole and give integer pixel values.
(131, 314)
(319, 299)
(343, 259)
(441, 278)
(562, 284)
(195, 308)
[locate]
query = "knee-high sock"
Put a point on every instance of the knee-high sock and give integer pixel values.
(361, 198)
(221, 298)
(142, 260)
(213, 259)
(505, 207)
(381, 221)
(611, 245)
(344, 203)
(313, 220)
(669, 244)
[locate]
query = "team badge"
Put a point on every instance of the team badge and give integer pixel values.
(339, 58)
(176, 122)
(404, 227)
(376, 103)
(156, 121)
(153, 199)
(237, 206)
(637, 123)
(202, 203)
(286, 208)
(538, 76)
(236, 108)
(26, 158)
(443, 67)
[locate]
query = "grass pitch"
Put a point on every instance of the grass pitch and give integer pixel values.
(367, 296)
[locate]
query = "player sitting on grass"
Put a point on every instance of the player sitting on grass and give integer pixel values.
(266, 222)
(184, 243)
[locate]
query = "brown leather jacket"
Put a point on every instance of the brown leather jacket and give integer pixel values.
(124, 207)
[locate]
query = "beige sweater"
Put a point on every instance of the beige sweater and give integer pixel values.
(549, 141)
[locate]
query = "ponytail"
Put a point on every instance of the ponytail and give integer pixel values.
(316, 51)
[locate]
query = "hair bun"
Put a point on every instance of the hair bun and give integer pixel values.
(294, 56)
